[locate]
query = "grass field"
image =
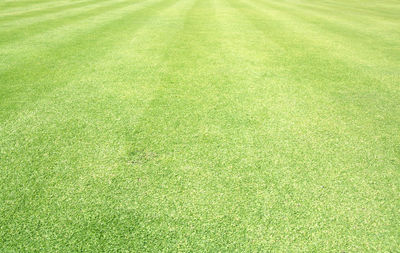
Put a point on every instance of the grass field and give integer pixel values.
(200, 125)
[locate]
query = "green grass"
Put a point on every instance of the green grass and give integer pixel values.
(199, 125)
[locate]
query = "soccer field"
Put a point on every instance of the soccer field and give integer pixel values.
(199, 125)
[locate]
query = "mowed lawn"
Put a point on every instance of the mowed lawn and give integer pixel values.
(199, 125)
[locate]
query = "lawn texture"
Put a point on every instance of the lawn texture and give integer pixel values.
(199, 125)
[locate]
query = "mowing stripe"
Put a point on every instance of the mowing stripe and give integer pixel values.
(37, 7)
(320, 45)
(42, 26)
(6, 21)
(200, 125)
(97, 38)
(33, 46)
(338, 28)
(94, 89)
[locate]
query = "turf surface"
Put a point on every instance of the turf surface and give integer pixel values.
(199, 125)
